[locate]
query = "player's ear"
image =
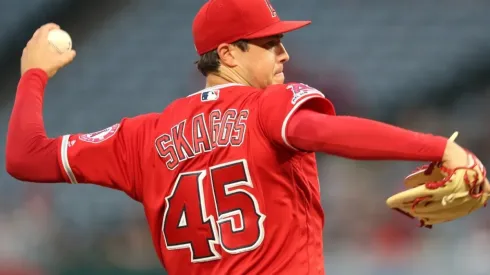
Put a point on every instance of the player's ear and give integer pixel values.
(227, 55)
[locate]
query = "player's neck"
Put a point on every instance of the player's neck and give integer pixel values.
(224, 78)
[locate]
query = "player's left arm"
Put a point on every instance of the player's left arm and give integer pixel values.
(314, 130)
(360, 138)
(298, 117)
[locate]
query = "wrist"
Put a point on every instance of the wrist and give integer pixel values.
(33, 78)
(36, 71)
(455, 154)
(35, 74)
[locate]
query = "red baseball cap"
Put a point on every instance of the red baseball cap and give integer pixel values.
(227, 21)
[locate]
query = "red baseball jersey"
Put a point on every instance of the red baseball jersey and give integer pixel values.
(223, 190)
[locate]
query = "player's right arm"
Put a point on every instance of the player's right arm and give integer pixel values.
(110, 157)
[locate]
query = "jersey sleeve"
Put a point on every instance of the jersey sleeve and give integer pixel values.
(109, 157)
(278, 104)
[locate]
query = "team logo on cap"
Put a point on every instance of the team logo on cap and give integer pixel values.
(271, 8)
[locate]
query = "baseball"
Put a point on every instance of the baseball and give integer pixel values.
(60, 40)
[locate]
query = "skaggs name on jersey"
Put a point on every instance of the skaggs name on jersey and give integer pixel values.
(207, 133)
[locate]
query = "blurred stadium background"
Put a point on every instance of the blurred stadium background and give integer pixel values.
(424, 65)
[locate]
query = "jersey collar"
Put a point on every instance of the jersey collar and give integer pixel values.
(216, 87)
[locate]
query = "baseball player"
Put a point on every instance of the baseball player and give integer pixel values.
(227, 175)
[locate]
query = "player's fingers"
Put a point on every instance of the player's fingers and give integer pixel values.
(44, 30)
(68, 56)
(36, 33)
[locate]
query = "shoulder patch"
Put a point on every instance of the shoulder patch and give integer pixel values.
(300, 90)
(99, 136)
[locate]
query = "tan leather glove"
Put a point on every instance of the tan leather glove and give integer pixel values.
(436, 194)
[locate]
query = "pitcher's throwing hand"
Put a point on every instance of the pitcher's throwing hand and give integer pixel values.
(38, 53)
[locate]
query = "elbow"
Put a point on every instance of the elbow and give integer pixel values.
(35, 163)
(15, 165)
(19, 157)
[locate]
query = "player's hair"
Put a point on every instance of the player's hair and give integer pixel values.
(209, 62)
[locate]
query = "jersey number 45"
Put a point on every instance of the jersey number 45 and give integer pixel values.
(239, 226)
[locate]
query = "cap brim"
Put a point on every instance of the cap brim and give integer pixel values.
(278, 28)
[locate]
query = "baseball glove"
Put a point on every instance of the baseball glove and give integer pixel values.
(437, 194)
